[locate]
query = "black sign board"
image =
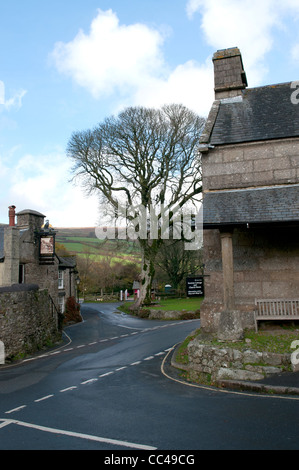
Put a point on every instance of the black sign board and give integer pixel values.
(195, 286)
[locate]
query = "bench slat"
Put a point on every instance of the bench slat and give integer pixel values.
(276, 309)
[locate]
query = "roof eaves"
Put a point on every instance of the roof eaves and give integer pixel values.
(208, 129)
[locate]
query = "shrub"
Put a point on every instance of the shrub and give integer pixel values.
(72, 311)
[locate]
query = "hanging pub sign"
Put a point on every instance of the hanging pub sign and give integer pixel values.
(195, 286)
(46, 245)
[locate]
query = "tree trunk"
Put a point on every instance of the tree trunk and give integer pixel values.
(147, 275)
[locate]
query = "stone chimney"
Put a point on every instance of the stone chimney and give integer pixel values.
(29, 222)
(29, 219)
(11, 256)
(12, 216)
(230, 77)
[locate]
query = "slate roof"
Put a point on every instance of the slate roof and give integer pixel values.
(251, 206)
(260, 113)
(67, 262)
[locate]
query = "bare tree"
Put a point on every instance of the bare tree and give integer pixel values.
(177, 262)
(145, 158)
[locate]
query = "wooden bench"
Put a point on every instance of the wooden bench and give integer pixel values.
(276, 309)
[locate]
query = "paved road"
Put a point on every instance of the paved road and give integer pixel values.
(110, 387)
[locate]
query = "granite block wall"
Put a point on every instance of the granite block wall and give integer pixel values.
(27, 320)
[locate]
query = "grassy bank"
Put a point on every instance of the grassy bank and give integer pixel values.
(178, 304)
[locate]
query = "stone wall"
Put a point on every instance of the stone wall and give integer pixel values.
(27, 320)
(265, 260)
(254, 164)
(265, 266)
(234, 364)
(45, 276)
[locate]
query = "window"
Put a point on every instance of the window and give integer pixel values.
(60, 279)
(21, 273)
(61, 304)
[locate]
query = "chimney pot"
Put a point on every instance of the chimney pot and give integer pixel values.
(12, 215)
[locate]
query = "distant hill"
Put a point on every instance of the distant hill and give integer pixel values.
(82, 241)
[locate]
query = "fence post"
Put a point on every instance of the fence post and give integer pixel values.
(2, 353)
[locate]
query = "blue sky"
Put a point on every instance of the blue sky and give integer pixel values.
(66, 65)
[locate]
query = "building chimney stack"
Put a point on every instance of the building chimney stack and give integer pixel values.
(230, 77)
(12, 215)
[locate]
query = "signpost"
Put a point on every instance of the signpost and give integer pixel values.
(195, 286)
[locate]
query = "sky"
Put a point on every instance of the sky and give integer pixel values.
(67, 65)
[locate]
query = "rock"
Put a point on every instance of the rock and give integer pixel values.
(237, 374)
(230, 326)
(251, 357)
(270, 370)
(272, 359)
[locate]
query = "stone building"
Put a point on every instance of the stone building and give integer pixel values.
(27, 256)
(250, 163)
(34, 282)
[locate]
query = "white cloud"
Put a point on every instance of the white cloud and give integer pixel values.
(190, 84)
(128, 60)
(14, 102)
(246, 24)
(42, 183)
(112, 57)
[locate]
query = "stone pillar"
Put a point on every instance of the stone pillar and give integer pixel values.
(230, 325)
(228, 270)
(12, 256)
(2, 353)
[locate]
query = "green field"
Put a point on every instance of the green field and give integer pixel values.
(83, 242)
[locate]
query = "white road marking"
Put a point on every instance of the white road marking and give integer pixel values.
(5, 423)
(90, 381)
(148, 358)
(136, 363)
(43, 398)
(15, 409)
(107, 373)
(131, 445)
(68, 389)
